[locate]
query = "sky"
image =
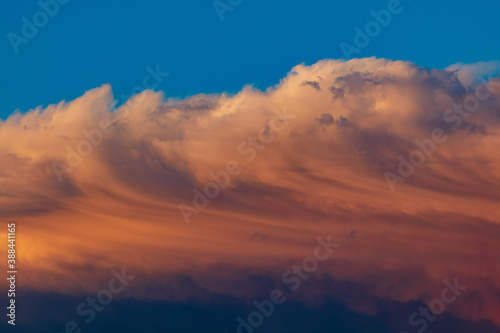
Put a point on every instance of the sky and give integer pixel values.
(90, 43)
(175, 168)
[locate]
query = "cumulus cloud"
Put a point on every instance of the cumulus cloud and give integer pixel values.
(323, 173)
(468, 73)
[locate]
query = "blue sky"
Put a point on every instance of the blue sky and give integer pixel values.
(89, 43)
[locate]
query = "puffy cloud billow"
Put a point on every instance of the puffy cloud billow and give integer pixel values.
(95, 187)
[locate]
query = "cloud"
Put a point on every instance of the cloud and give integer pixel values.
(313, 84)
(468, 73)
(325, 119)
(118, 206)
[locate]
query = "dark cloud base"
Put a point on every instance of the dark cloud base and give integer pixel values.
(42, 312)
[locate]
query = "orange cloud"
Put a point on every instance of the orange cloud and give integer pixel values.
(85, 208)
